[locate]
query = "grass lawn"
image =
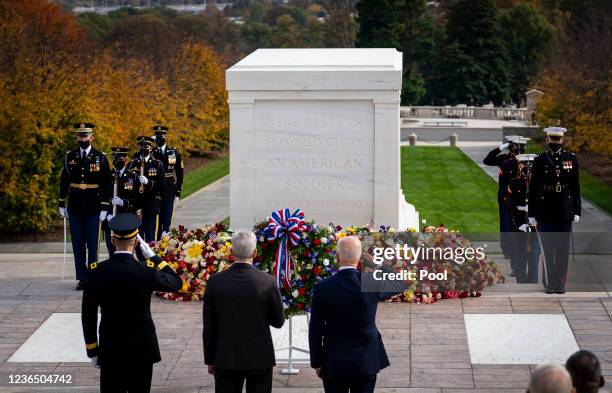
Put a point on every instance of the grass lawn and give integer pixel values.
(447, 187)
(205, 175)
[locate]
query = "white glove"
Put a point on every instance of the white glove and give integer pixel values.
(143, 180)
(532, 221)
(176, 201)
(103, 214)
(117, 201)
(523, 228)
(576, 218)
(94, 362)
(504, 146)
(63, 212)
(147, 252)
(109, 217)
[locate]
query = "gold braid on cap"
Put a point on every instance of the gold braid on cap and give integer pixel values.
(128, 236)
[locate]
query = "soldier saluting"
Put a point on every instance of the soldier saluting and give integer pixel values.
(554, 204)
(173, 169)
(121, 288)
(150, 172)
(125, 196)
(84, 198)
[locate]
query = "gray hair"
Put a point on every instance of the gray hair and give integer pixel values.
(550, 378)
(243, 244)
(349, 249)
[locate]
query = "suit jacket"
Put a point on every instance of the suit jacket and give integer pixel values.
(343, 337)
(240, 305)
(121, 287)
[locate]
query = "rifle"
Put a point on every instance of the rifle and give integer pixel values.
(115, 190)
(142, 168)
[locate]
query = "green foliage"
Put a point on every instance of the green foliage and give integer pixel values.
(527, 36)
(380, 23)
(473, 33)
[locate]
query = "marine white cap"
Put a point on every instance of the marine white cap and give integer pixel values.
(555, 131)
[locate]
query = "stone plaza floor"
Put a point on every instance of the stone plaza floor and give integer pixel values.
(431, 347)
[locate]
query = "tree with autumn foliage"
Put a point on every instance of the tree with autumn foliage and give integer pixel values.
(52, 74)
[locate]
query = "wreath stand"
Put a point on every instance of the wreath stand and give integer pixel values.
(289, 360)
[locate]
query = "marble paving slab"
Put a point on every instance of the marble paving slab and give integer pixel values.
(519, 338)
(58, 339)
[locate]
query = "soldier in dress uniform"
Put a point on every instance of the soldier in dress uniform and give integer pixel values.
(121, 288)
(84, 198)
(150, 172)
(525, 246)
(173, 169)
(128, 199)
(553, 206)
(497, 157)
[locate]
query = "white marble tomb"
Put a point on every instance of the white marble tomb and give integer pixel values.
(317, 129)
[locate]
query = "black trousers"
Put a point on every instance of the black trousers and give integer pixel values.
(556, 244)
(356, 385)
(231, 381)
(121, 378)
(85, 233)
(165, 215)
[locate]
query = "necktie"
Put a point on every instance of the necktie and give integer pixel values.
(84, 156)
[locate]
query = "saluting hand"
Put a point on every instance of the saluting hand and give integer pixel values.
(147, 252)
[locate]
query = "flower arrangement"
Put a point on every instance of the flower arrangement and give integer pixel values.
(195, 255)
(200, 253)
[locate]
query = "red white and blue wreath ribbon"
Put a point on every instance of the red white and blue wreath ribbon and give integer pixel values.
(288, 228)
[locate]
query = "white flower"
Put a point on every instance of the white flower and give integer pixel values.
(323, 240)
(295, 293)
(326, 262)
(261, 239)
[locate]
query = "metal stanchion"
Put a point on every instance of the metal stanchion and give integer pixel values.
(290, 348)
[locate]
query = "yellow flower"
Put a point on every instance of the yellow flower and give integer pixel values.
(194, 251)
(408, 295)
(340, 235)
(185, 286)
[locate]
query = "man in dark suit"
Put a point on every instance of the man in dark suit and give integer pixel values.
(240, 305)
(346, 348)
(121, 287)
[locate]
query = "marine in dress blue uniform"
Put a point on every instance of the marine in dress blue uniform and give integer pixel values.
(525, 246)
(84, 198)
(153, 184)
(503, 158)
(128, 198)
(173, 170)
(126, 347)
(554, 204)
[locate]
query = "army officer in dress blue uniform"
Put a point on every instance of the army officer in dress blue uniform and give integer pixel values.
(554, 203)
(152, 185)
(128, 198)
(121, 288)
(84, 198)
(173, 170)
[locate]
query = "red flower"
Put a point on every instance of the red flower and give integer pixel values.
(302, 291)
(316, 270)
(316, 241)
(305, 253)
(300, 306)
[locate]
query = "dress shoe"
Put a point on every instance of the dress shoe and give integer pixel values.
(560, 291)
(549, 291)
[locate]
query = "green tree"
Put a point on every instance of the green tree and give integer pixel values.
(380, 23)
(286, 33)
(417, 47)
(473, 28)
(528, 38)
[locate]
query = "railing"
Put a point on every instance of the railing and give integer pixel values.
(464, 112)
